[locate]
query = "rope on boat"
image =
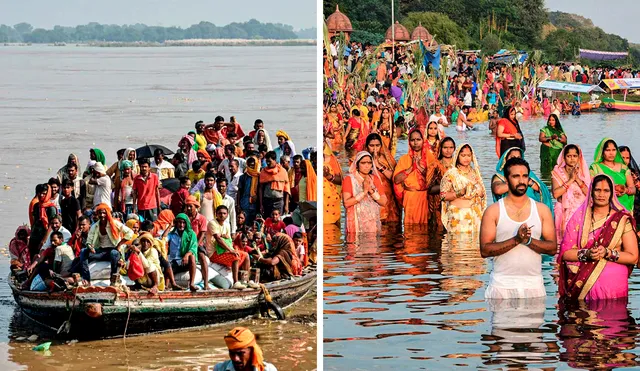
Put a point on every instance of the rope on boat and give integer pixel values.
(265, 291)
(126, 325)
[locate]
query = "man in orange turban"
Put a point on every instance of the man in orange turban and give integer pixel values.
(244, 353)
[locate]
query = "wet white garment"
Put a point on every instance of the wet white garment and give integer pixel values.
(518, 272)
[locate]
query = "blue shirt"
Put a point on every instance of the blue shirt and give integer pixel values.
(174, 246)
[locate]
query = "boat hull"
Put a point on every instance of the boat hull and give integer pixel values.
(590, 106)
(618, 105)
(140, 312)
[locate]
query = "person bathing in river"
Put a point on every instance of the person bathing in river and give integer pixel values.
(570, 184)
(537, 190)
(599, 248)
(462, 193)
(244, 353)
(608, 160)
(515, 232)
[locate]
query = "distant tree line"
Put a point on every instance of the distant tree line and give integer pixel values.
(25, 33)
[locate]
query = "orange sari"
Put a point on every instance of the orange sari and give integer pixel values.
(414, 189)
(390, 213)
(332, 193)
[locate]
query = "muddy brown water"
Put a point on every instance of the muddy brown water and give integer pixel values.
(58, 100)
(414, 301)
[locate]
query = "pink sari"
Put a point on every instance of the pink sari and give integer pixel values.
(19, 250)
(601, 279)
(364, 216)
(573, 197)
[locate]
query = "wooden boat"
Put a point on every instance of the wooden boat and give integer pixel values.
(590, 106)
(623, 85)
(100, 312)
(620, 105)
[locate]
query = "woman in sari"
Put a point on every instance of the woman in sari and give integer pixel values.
(537, 190)
(570, 184)
(433, 138)
(331, 186)
(19, 248)
(385, 164)
(445, 153)
(628, 159)
(387, 131)
(508, 133)
(186, 144)
(412, 176)
(281, 261)
(362, 200)
(462, 193)
(262, 137)
(356, 132)
(335, 126)
(608, 160)
(599, 248)
(553, 139)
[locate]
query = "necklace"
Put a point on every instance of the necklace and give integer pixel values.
(594, 222)
(520, 210)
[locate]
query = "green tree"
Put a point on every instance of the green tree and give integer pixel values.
(440, 26)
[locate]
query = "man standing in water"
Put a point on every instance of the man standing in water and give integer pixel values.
(510, 233)
(244, 353)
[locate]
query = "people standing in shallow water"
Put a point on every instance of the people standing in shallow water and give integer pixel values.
(362, 199)
(570, 184)
(508, 132)
(608, 160)
(552, 138)
(412, 176)
(331, 186)
(628, 159)
(537, 190)
(599, 248)
(385, 164)
(516, 231)
(462, 193)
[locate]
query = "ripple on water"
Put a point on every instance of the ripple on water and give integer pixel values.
(416, 300)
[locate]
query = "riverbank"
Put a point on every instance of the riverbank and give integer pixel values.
(186, 42)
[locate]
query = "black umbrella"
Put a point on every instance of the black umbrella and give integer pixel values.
(308, 209)
(147, 150)
(171, 184)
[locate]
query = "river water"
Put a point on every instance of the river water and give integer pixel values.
(413, 301)
(58, 100)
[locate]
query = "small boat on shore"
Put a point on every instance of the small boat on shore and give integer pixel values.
(625, 85)
(103, 312)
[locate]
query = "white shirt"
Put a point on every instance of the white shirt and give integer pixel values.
(102, 193)
(232, 186)
(468, 99)
(518, 272)
(64, 255)
(231, 205)
(66, 236)
(224, 166)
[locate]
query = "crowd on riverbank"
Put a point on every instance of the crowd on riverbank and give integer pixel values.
(437, 184)
(223, 205)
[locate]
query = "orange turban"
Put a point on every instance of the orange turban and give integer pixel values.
(240, 338)
(115, 231)
(192, 200)
(164, 221)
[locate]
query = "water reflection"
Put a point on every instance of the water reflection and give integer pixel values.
(597, 334)
(417, 299)
(516, 338)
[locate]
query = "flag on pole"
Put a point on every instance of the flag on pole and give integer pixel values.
(429, 57)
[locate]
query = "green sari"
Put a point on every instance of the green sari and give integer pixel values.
(618, 177)
(549, 154)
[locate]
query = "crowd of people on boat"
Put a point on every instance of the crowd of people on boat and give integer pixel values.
(437, 184)
(236, 202)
